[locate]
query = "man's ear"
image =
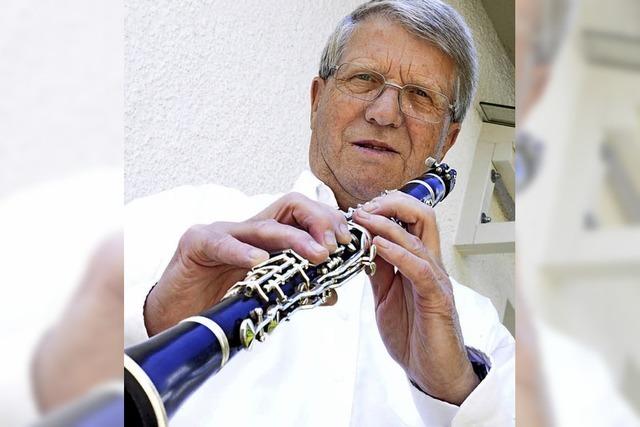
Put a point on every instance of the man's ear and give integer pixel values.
(317, 86)
(451, 137)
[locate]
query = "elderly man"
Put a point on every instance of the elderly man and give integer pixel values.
(396, 79)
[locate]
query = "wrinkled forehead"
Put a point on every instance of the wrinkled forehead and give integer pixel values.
(386, 46)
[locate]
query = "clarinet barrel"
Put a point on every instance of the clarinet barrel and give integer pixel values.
(163, 371)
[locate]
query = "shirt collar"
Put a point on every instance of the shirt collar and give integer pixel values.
(309, 185)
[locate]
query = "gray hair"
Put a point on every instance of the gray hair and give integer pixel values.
(431, 20)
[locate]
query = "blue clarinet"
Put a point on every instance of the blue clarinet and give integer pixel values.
(163, 371)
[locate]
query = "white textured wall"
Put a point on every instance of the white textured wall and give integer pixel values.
(190, 65)
(61, 131)
(60, 89)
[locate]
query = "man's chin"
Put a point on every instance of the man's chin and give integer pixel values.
(368, 186)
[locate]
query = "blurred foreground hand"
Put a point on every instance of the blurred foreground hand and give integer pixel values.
(84, 348)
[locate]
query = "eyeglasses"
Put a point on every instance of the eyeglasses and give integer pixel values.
(418, 102)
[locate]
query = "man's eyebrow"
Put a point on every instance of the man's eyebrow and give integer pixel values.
(428, 82)
(366, 62)
(417, 79)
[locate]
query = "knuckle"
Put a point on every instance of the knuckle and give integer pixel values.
(263, 225)
(324, 220)
(286, 232)
(193, 235)
(204, 241)
(424, 271)
(285, 199)
(295, 198)
(219, 243)
(415, 244)
(403, 257)
(318, 217)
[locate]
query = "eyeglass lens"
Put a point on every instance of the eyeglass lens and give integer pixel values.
(415, 101)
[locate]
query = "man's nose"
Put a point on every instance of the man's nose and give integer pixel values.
(385, 109)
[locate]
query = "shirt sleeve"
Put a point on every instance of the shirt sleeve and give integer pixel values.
(491, 349)
(433, 412)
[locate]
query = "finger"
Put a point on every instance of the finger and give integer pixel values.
(419, 271)
(399, 205)
(383, 226)
(273, 236)
(419, 217)
(210, 246)
(326, 224)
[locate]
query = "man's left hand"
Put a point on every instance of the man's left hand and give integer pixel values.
(415, 308)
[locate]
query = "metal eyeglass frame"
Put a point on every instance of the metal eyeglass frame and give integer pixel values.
(452, 107)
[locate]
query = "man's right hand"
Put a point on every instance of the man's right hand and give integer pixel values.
(211, 258)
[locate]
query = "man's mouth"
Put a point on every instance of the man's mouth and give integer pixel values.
(375, 146)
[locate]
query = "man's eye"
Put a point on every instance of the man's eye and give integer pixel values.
(364, 76)
(420, 92)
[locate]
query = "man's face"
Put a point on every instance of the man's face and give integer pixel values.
(345, 128)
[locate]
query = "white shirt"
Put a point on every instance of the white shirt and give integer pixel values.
(328, 366)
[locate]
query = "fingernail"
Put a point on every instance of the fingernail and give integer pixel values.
(370, 206)
(344, 230)
(316, 247)
(330, 239)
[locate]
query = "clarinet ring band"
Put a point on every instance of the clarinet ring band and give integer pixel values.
(163, 371)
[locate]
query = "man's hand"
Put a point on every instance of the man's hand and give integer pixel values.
(83, 348)
(532, 405)
(415, 309)
(211, 258)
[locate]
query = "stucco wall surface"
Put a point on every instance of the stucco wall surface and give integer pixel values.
(218, 91)
(61, 131)
(61, 81)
